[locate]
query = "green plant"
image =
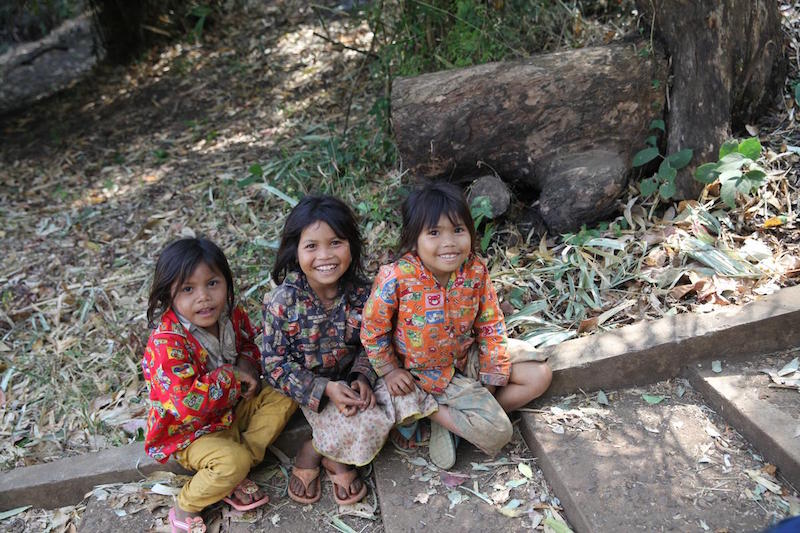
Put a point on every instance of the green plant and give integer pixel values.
(736, 170)
(481, 209)
(663, 181)
(200, 13)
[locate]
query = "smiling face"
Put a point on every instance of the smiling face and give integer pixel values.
(202, 298)
(323, 257)
(444, 247)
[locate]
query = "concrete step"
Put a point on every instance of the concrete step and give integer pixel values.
(639, 466)
(647, 352)
(769, 417)
(415, 496)
(66, 482)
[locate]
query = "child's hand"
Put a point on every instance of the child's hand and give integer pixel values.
(250, 384)
(400, 382)
(343, 397)
(246, 367)
(361, 386)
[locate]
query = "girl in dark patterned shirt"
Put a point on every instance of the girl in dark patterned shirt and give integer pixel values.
(312, 352)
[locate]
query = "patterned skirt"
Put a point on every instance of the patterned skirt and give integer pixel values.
(357, 439)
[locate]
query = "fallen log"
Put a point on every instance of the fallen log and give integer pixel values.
(565, 124)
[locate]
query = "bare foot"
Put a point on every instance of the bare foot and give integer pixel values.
(339, 468)
(307, 457)
(247, 492)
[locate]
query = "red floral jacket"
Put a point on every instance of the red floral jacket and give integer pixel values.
(186, 400)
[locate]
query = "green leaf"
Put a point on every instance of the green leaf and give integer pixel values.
(15, 511)
(750, 148)
(706, 173)
(731, 175)
(733, 161)
(645, 156)
(256, 170)
(487, 236)
(648, 186)
(666, 172)
(744, 186)
(556, 525)
(797, 93)
(756, 175)
(525, 470)
(728, 193)
(728, 147)
(652, 140)
(651, 399)
(658, 124)
(681, 158)
(249, 180)
(667, 190)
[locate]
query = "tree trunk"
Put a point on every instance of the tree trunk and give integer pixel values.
(553, 122)
(727, 65)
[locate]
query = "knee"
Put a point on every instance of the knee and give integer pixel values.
(534, 376)
(232, 466)
(494, 433)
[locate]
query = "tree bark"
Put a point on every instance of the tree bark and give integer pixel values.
(548, 122)
(727, 66)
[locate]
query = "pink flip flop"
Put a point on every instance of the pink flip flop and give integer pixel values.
(192, 524)
(247, 486)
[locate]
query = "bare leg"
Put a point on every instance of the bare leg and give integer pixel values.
(307, 457)
(528, 380)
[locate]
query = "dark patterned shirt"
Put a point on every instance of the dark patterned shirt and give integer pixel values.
(304, 345)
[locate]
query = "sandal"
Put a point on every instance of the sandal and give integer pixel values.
(344, 480)
(442, 447)
(412, 437)
(307, 476)
(193, 524)
(248, 487)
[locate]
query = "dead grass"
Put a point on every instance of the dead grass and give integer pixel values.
(217, 138)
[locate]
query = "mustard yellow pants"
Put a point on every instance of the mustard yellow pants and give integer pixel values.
(222, 459)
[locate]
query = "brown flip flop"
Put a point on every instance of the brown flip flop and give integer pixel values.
(344, 480)
(307, 476)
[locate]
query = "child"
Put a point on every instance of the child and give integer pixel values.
(201, 366)
(433, 322)
(313, 354)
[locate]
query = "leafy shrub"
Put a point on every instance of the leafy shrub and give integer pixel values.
(736, 170)
(663, 181)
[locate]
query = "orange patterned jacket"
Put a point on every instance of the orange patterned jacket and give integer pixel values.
(410, 320)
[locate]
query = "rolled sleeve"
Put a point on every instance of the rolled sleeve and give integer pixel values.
(490, 330)
(377, 327)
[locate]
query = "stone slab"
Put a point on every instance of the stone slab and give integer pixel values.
(768, 417)
(136, 508)
(633, 466)
(647, 352)
(66, 481)
(401, 514)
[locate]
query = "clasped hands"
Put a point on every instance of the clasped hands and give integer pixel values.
(358, 396)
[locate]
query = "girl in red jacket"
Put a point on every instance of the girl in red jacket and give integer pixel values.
(208, 409)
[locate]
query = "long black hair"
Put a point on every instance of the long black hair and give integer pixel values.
(334, 213)
(424, 207)
(176, 263)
